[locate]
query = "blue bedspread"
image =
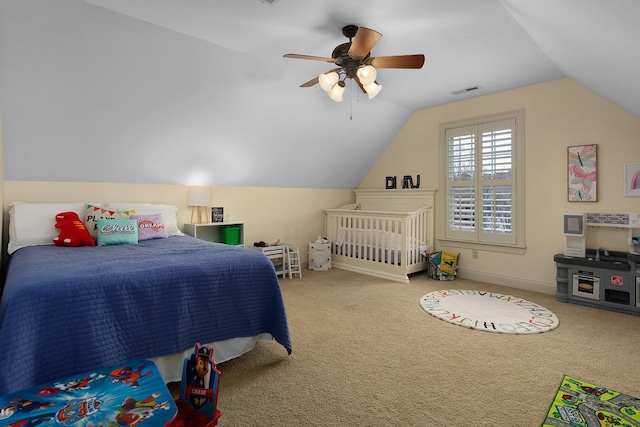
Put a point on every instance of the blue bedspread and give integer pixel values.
(68, 310)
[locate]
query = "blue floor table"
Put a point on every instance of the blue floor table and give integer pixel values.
(129, 394)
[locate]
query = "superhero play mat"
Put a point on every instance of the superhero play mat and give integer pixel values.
(578, 403)
(130, 394)
(489, 311)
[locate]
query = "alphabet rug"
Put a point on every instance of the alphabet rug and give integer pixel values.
(489, 311)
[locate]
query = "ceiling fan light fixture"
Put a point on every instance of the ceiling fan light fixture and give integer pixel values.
(328, 80)
(336, 91)
(373, 89)
(367, 74)
(355, 61)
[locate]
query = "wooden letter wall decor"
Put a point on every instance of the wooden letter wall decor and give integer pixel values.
(407, 182)
(391, 183)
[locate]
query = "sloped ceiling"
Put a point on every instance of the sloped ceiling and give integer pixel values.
(197, 91)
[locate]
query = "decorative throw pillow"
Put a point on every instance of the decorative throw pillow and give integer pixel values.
(95, 212)
(33, 224)
(117, 232)
(73, 232)
(168, 213)
(150, 226)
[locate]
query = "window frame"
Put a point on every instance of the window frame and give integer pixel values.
(515, 243)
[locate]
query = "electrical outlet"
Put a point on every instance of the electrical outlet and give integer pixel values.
(474, 254)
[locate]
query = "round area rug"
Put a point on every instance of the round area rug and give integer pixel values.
(489, 311)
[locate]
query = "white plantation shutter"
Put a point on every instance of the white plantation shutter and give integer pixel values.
(461, 176)
(481, 182)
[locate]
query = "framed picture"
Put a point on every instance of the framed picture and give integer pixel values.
(583, 173)
(217, 214)
(632, 179)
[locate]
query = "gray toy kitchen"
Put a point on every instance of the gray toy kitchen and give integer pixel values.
(598, 277)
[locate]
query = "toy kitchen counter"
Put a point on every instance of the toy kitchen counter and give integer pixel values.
(610, 282)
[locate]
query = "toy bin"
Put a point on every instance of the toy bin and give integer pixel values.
(189, 417)
(443, 265)
(320, 255)
(198, 400)
(230, 234)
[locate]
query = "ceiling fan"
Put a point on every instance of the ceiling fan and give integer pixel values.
(355, 62)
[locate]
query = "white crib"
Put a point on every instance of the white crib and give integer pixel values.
(386, 233)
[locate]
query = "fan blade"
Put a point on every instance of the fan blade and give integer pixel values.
(359, 84)
(310, 57)
(315, 80)
(399, 61)
(364, 40)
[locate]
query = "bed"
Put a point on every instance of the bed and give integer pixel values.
(385, 233)
(73, 309)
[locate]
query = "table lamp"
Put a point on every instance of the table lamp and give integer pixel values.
(199, 199)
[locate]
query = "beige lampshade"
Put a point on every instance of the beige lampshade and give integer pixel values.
(198, 198)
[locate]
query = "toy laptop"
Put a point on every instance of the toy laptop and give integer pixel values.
(198, 401)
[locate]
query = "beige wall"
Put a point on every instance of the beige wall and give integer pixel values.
(558, 114)
(290, 214)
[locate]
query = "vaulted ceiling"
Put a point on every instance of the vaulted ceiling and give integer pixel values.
(204, 82)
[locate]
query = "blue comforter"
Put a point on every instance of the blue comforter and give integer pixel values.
(68, 310)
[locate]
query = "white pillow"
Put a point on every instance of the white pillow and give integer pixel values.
(32, 224)
(167, 211)
(96, 211)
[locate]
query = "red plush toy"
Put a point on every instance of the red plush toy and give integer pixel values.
(73, 232)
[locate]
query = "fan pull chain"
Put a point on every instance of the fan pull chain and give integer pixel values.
(351, 102)
(351, 109)
(351, 88)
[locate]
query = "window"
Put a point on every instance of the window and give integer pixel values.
(481, 174)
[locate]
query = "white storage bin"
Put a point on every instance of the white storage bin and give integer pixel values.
(320, 255)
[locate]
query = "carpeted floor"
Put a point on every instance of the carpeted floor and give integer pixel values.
(365, 353)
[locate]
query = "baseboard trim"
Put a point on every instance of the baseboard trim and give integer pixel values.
(375, 273)
(512, 282)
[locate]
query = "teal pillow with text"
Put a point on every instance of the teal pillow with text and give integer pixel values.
(117, 232)
(96, 211)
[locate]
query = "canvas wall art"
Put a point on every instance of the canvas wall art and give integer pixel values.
(583, 174)
(632, 179)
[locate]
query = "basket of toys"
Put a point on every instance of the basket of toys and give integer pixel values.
(443, 265)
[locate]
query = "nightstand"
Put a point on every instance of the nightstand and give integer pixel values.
(214, 232)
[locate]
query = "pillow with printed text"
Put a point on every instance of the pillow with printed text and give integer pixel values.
(150, 226)
(168, 213)
(117, 232)
(95, 212)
